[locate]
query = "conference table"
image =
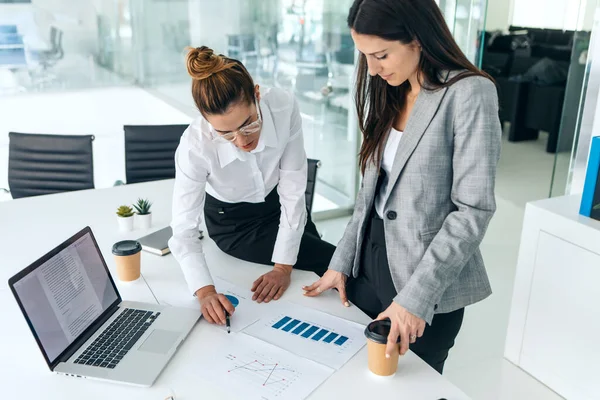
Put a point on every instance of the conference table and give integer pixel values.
(30, 227)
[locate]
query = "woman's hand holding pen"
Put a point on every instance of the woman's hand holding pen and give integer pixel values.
(272, 285)
(213, 305)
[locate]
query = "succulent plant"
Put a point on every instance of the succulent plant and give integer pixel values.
(143, 206)
(124, 211)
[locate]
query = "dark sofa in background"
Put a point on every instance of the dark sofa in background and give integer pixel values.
(531, 67)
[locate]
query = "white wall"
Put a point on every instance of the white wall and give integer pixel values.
(555, 14)
(208, 17)
(558, 14)
(101, 112)
(499, 14)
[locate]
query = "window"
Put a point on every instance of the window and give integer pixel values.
(557, 14)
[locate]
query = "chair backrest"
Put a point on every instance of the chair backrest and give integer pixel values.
(150, 151)
(313, 166)
(45, 164)
(56, 36)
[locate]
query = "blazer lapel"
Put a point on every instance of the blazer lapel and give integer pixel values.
(369, 182)
(422, 113)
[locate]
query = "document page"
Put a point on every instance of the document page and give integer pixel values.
(247, 311)
(70, 292)
(309, 333)
(250, 369)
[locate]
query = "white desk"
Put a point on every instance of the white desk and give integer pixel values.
(31, 227)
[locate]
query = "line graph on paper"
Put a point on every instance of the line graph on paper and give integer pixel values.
(263, 373)
(251, 369)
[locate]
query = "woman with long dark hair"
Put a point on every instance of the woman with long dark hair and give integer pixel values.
(431, 131)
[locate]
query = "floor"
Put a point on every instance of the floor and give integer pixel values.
(476, 364)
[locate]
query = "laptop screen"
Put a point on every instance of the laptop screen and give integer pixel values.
(66, 293)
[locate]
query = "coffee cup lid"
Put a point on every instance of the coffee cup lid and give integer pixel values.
(378, 331)
(126, 248)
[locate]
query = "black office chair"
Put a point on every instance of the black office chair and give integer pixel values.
(313, 166)
(45, 164)
(150, 151)
(48, 58)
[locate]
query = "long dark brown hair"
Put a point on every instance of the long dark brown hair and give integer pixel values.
(377, 103)
(217, 81)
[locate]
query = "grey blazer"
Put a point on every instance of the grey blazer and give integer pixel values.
(439, 202)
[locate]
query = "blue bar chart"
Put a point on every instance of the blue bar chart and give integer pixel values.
(320, 337)
(309, 331)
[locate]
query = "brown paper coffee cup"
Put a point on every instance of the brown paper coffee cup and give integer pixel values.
(377, 333)
(127, 255)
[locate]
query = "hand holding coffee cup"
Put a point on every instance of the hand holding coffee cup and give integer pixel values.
(380, 363)
(408, 327)
(128, 259)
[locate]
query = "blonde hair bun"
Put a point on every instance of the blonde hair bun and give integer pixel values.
(202, 62)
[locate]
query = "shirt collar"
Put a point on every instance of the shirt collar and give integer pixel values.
(228, 152)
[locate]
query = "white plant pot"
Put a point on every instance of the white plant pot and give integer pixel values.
(144, 221)
(125, 223)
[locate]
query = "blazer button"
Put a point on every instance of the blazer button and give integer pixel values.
(392, 215)
(435, 307)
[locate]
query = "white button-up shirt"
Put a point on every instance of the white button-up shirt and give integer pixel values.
(232, 175)
(389, 154)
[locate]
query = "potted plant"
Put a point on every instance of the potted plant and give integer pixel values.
(125, 218)
(144, 215)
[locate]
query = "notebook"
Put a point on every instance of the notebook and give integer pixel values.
(158, 242)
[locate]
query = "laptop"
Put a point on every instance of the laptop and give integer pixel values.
(84, 328)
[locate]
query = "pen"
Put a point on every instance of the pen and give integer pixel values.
(227, 322)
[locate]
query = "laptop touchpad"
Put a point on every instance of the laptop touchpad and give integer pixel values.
(160, 341)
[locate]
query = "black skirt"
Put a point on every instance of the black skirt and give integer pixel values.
(248, 231)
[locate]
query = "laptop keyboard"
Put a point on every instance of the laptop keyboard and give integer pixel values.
(117, 339)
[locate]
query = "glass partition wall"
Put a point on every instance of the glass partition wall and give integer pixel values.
(303, 46)
(466, 20)
(579, 110)
(58, 46)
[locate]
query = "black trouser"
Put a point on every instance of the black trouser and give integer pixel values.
(373, 291)
(248, 231)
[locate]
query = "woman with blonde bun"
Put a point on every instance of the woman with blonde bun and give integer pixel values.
(242, 162)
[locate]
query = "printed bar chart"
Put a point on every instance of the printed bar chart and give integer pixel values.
(282, 322)
(330, 337)
(300, 328)
(307, 330)
(320, 334)
(289, 326)
(341, 340)
(310, 331)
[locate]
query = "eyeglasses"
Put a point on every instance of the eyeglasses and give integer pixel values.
(245, 130)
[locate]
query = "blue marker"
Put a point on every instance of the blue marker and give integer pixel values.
(234, 300)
